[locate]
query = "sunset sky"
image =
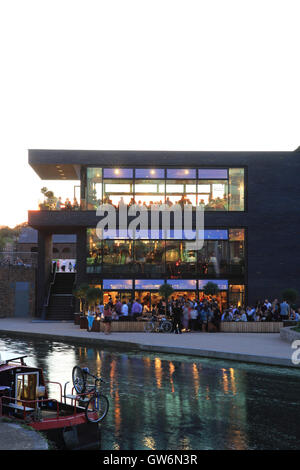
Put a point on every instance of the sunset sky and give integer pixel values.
(144, 75)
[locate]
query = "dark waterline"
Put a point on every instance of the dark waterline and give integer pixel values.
(160, 401)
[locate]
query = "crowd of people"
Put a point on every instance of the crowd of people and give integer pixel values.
(67, 205)
(188, 315)
(213, 203)
(216, 203)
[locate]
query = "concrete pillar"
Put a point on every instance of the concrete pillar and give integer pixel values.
(81, 276)
(44, 268)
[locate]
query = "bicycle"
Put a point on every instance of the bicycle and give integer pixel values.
(97, 406)
(164, 326)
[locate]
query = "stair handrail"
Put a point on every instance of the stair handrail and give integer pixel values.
(46, 303)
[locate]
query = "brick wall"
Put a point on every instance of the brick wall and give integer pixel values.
(9, 275)
(60, 250)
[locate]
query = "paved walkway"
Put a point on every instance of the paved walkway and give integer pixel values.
(15, 437)
(264, 348)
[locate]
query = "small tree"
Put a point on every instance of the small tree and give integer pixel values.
(211, 288)
(290, 295)
(165, 291)
(93, 296)
(80, 293)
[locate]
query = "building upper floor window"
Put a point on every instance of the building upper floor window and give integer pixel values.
(215, 189)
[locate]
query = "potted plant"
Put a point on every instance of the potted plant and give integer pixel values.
(93, 296)
(166, 290)
(290, 295)
(80, 293)
(49, 199)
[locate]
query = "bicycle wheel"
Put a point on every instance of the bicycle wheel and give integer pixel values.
(167, 327)
(148, 326)
(96, 408)
(78, 379)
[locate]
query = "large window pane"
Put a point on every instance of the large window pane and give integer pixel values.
(236, 189)
(149, 173)
(180, 260)
(149, 256)
(117, 256)
(214, 195)
(181, 173)
(237, 251)
(94, 188)
(237, 295)
(217, 257)
(181, 192)
(150, 192)
(94, 252)
(117, 173)
(213, 173)
(213, 258)
(117, 193)
(152, 187)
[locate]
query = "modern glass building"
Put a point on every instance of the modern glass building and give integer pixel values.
(249, 201)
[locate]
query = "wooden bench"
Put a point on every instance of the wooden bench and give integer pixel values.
(250, 327)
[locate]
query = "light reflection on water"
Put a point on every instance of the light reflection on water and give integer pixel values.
(160, 401)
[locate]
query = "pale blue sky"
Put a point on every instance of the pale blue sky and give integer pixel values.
(142, 74)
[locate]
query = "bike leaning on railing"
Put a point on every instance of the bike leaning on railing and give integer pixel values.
(97, 404)
(164, 326)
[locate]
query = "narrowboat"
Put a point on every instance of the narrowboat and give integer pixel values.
(24, 397)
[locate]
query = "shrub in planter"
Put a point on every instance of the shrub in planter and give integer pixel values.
(290, 295)
(165, 291)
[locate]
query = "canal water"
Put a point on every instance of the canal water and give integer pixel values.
(166, 402)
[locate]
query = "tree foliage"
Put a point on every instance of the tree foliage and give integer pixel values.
(211, 288)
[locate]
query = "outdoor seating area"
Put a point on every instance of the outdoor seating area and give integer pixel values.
(139, 326)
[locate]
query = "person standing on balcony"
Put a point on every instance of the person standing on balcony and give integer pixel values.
(58, 204)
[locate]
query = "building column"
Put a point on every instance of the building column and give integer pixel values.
(81, 276)
(43, 268)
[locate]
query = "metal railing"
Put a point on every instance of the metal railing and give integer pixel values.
(47, 299)
(27, 404)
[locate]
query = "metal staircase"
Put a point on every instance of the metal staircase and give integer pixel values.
(61, 301)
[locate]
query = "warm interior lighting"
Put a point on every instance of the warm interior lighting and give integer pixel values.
(152, 172)
(186, 172)
(117, 172)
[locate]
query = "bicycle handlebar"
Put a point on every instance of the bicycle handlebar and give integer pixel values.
(86, 370)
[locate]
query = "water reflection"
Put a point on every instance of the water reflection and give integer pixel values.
(179, 402)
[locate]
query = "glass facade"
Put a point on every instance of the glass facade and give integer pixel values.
(223, 253)
(94, 188)
(147, 291)
(129, 269)
(214, 189)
